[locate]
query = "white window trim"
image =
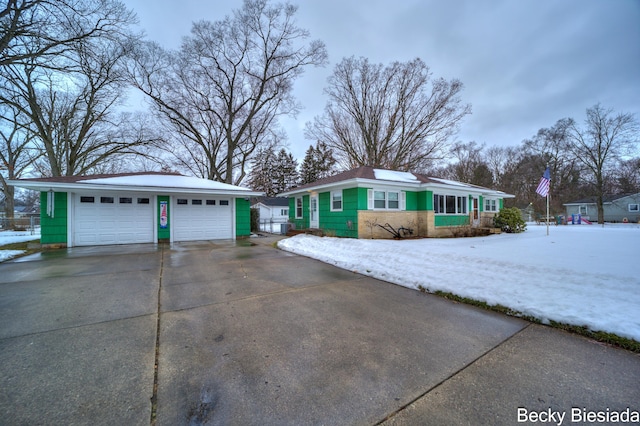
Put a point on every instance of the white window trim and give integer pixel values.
(493, 202)
(331, 201)
(402, 200)
(301, 208)
(465, 203)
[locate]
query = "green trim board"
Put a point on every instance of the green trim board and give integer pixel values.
(164, 229)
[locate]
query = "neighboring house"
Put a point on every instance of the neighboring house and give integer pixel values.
(273, 213)
(355, 202)
(617, 208)
(144, 207)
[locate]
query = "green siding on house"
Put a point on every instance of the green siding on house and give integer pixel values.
(243, 218)
(341, 223)
(299, 223)
(429, 195)
(53, 230)
(451, 220)
(411, 199)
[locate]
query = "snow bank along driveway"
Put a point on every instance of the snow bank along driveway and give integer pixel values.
(579, 275)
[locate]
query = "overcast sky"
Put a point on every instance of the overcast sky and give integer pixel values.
(524, 63)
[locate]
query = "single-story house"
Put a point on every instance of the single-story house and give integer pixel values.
(145, 207)
(273, 212)
(617, 208)
(359, 202)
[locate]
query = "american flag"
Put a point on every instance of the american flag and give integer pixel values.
(543, 186)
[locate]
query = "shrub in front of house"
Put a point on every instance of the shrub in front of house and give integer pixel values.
(509, 220)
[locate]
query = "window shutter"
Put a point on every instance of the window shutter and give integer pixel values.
(369, 199)
(403, 200)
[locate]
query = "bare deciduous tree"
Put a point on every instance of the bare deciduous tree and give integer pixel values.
(395, 117)
(600, 144)
(69, 110)
(44, 30)
(15, 154)
(222, 93)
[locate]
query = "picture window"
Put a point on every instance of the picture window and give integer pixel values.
(449, 204)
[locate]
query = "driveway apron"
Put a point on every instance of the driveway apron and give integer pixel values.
(242, 333)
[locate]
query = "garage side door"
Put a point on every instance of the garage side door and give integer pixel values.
(101, 219)
(198, 218)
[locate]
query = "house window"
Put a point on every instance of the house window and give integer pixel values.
(379, 199)
(125, 200)
(490, 205)
(224, 202)
(449, 204)
(582, 210)
(182, 201)
(298, 207)
(87, 199)
(106, 200)
(284, 212)
(211, 202)
(196, 202)
(389, 200)
(393, 200)
(634, 208)
(336, 201)
(143, 201)
(462, 205)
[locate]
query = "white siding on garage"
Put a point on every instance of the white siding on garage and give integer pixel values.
(112, 218)
(197, 217)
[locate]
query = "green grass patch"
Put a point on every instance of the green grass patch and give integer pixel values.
(600, 336)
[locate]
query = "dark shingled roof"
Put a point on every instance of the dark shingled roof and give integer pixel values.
(362, 172)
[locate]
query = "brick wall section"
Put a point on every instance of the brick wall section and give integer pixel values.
(416, 220)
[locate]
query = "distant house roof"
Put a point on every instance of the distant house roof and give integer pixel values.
(609, 198)
(271, 201)
(141, 181)
(371, 175)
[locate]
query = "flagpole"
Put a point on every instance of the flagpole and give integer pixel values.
(547, 214)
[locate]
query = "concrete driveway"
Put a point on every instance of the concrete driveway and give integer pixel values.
(243, 333)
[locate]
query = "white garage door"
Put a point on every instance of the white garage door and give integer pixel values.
(113, 219)
(201, 218)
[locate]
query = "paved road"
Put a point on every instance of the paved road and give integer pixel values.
(243, 333)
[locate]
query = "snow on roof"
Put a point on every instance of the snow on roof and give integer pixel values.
(165, 181)
(451, 182)
(395, 176)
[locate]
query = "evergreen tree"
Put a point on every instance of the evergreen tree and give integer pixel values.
(262, 167)
(284, 175)
(318, 163)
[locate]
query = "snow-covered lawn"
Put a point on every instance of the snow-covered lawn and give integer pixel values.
(8, 237)
(579, 275)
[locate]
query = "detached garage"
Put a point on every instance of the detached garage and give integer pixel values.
(138, 208)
